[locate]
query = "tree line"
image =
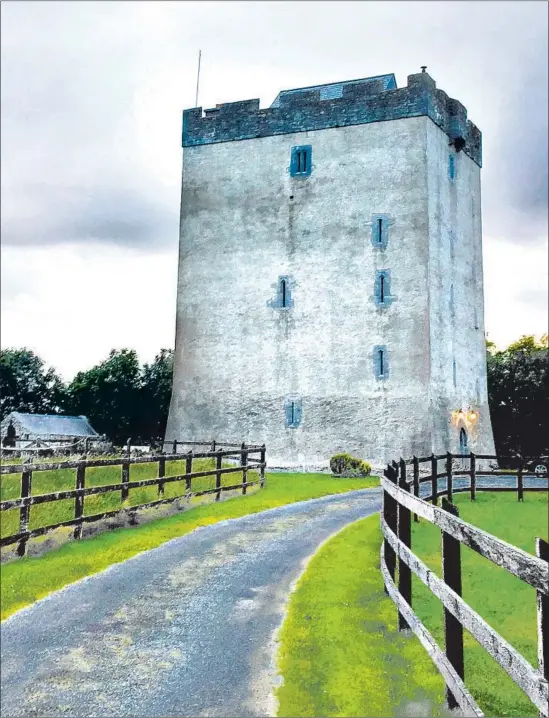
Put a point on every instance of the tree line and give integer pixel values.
(123, 399)
(120, 398)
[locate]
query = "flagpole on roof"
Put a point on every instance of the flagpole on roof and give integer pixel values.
(198, 77)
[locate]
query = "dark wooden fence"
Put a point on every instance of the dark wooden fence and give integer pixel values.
(83, 445)
(248, 458)
(401, 500)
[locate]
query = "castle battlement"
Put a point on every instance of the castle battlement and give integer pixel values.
(354, 102)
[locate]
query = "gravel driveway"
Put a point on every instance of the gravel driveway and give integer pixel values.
(186, 629)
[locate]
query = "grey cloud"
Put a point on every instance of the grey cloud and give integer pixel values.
(517, 207)
(122, 216)
(71, 171)
(534, 297)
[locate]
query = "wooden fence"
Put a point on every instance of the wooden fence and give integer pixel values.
(400, 500)
(84, 444)
(249, 458)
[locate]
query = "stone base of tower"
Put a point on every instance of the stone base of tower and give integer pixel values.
(378, 430)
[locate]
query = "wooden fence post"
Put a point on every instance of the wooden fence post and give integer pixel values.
(126, 474)
(520, 481)
(542, 551)
(213, 445)
(174, 446)
(389, 512)
(262, 470)
(219, 459)
(188, 472)
(405, 535)
(415, 461)
(24, 511)
(434, 482)
(451, 574)
(243, 463)
(86, 446)
(161, 474)
(450, 478)
(473, 467)
(79, 500)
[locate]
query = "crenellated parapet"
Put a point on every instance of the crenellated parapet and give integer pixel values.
(358, 103)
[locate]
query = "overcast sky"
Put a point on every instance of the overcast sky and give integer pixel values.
(91, 101)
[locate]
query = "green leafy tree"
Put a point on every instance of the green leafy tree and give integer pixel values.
(109, 394)
(27, 386)
(518, 393)
(156, 390)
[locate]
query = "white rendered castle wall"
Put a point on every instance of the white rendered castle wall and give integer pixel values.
(244, 223)
(456, 297)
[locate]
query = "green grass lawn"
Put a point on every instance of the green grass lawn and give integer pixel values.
(340, 652)
(505, 602)
(28, 579)
(46, 482)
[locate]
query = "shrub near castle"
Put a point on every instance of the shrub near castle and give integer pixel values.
(346, 466)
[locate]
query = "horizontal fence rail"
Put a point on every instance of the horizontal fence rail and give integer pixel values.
(401, 501)
(249, 458)
(86, 444)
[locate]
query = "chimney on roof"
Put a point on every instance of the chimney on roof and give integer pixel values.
(423, 68)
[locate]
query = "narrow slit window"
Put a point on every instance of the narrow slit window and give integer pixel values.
(300, 162)
(452, 167)
(283, 292)
(381, 362)
(292, 410)
(380, 224)
(382, 288)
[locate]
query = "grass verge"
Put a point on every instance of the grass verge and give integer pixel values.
(505, 602)
(29, 579)
(340, 652)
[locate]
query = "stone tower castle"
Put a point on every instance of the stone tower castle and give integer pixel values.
(330, 291)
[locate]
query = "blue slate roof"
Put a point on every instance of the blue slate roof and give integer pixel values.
(54, 424)
(333, 90)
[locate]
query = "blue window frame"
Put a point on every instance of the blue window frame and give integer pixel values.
(382, 288)
(380, 231)
(292, 410)
(283, 298)
(381, 362)
(301, 161)
(452, 167)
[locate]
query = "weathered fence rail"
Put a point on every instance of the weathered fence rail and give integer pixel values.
(250, 457)
(85, 444)
(400, 500)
